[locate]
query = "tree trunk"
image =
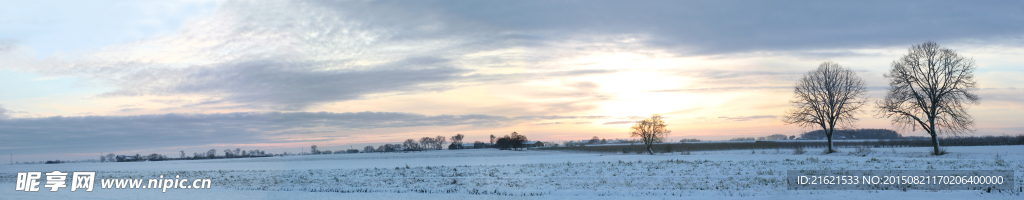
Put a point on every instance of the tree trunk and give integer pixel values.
(935, 138)
(649, 148)
(828, 135)
(830, 144)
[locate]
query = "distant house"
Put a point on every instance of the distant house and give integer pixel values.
(538, 144)
(467, 146)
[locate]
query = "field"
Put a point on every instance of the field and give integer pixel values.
(532, 174)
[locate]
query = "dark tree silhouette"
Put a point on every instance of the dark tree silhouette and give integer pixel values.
(928, 89)
(456, 142)
(410, 145)
(517, 140)
(439, 142)
(825, 98)
(211, 153)
(479, 145)
(504, 143)
(426, 142)
(650, 130)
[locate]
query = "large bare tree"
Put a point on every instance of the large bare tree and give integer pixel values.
(827, 98)
(650, 130)
(928, 88)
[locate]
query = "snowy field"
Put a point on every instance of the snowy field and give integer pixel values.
(532, 174)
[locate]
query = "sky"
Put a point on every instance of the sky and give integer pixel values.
(82, 78)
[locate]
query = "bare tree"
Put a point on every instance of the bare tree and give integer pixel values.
(516, 140)
(650, 130)
(211, 153)
(928, 88)
(439, 142)
(827, 98)
(182, 152)
(313, 150)
(427, 142)
(456, 141)
(368, 149)
(410, 144)
(492, 139)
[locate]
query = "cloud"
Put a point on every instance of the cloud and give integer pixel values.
(6, 46)
(289, 86)
(289, 55)
(725, 89)
(737, 26)
(748, 118)
(129, 109)
(559, 117)
(3, 112)
(111, 133)
(618, 122)
(134, 132)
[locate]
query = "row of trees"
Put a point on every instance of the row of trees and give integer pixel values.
(212, 153)
(381, 148)
(424, 143)
(316, 150)
(929, 88)
(854, 134)
(514, 141)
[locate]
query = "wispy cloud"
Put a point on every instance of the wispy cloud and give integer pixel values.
(284, 86)
(618, 122)
(118, 133)
(726, 89)
(748, 118)
(3, 112)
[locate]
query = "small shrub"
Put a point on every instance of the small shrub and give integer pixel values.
(799, 150)
(861, 151)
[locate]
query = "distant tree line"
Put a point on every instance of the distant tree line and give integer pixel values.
(513, 141)
(210, 154)
(880, 143)
(854, 134)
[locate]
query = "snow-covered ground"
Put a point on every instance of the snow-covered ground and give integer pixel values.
(535, 174)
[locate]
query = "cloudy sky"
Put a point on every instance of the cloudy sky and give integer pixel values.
(78, 78)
